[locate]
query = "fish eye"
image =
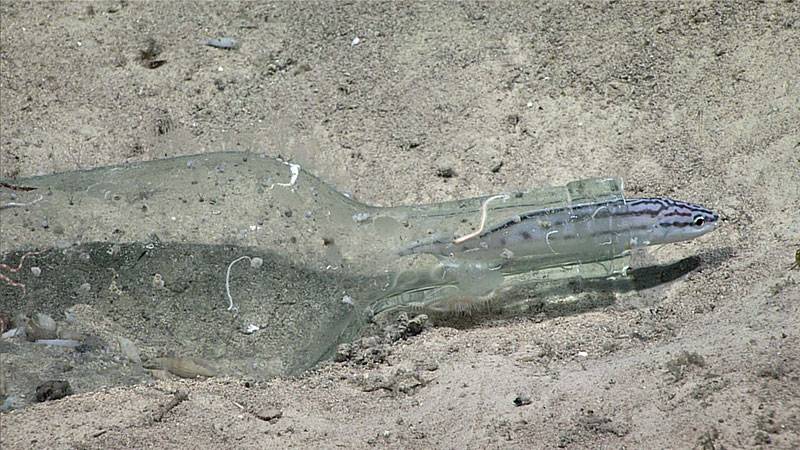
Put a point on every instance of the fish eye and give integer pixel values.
(698, 221)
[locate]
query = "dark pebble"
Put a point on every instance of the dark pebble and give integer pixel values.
(269, 413)
(522, 400)
(52, 390)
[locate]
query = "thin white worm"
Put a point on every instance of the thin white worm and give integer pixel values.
(484, 213)
(13, 204)
(228, 281)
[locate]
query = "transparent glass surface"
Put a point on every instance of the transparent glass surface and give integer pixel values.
(141, 254)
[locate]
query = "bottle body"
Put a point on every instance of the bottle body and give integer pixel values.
(154, 243)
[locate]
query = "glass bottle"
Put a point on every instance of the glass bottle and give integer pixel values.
(156, 250)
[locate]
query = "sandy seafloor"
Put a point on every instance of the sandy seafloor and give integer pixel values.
(697, 101)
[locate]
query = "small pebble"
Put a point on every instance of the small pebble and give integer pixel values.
(227, 43)
(361, 217)
(129, 350)
(52, 390)
(269, 413)
(415, 325)
(14, 332)
(9, 404)
(158, 281)
(36, 271)
(34, 331)
(445, 172)
(522, 400)
(45, 322)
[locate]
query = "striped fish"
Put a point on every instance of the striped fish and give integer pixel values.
(584, 232)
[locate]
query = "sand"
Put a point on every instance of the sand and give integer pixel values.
(409, 103)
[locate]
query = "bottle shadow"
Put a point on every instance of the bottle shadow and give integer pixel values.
(548, 300)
